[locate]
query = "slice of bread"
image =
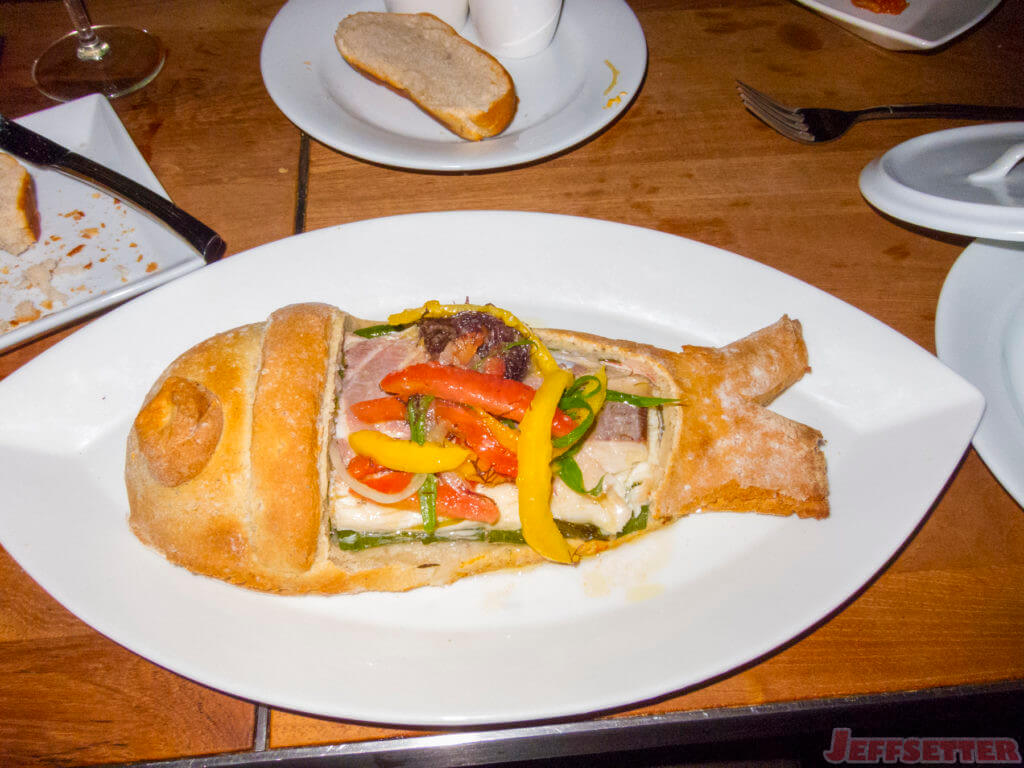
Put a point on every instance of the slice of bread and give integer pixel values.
(424, 59)
(19, 216)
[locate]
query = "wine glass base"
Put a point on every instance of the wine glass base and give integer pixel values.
(133, 59)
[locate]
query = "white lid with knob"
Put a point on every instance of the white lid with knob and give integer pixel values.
(968, 181)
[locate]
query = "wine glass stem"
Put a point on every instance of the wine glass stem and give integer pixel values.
(90, 47)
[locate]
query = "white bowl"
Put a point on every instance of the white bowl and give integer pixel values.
(515, 29)
(451, 12)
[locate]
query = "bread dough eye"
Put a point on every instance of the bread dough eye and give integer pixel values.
(179, 429)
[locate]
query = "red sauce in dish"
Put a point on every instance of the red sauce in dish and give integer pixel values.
(882, 6)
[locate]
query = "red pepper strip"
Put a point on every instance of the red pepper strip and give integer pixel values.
(496, 395)
(465, 504)
(494, 365)
(369, 472)
(458, 502)
(465, 346)
(491, 454)
(381, 409)
(382, 479)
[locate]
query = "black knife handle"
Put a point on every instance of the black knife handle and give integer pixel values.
(199, 236)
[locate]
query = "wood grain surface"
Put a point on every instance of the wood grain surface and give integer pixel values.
(686, 159)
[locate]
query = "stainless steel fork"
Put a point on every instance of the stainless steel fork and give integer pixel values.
(815, 125)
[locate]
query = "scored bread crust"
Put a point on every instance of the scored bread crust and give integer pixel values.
(420, 57)
(291, 407)
(260, 400)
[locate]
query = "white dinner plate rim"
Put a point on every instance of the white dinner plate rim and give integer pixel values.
(981, 294)
(290, 73)
(157, 613)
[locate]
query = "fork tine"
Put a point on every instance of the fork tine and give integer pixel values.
(765, 103)
(786, 129)
(790, 131)
(763, 99)
(795, 120)
(770, 115)
(787, 122)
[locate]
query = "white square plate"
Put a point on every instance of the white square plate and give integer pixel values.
(94, 251)
(924, 24)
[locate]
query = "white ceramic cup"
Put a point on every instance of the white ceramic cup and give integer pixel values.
(515, 28)
(451, 12)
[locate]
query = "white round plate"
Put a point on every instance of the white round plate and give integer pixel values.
(580, 83)
(925, 181)
(671, 610)
(979, 332)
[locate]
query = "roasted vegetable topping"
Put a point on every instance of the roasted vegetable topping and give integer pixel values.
(476, 340)
(640, 401)
(469, 428)
(582, 401)
(374, 331)
(428, 503)
(435, 309)
(497, 395)
(406, 455)
(472, 419)
(379, 409)
(359, 540)
(457, 499)
(534, 478)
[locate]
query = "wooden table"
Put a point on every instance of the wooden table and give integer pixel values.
(946, 617)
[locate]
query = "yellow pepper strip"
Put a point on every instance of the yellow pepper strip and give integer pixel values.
(507, 437)
(534, 478)
(596, 399)
(545, 362)
(405, 455)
